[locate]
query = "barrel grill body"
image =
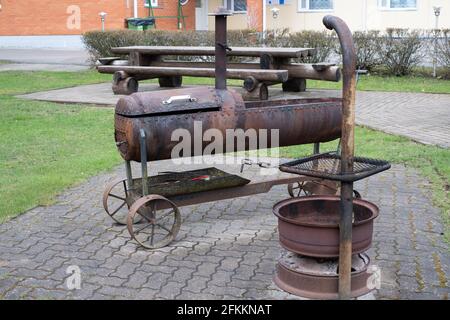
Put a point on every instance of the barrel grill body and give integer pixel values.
(195, 110)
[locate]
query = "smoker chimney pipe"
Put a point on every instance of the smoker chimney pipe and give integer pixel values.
(221, 47)
(347, 153)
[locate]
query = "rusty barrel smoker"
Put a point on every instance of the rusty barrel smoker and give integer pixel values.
(196, 110)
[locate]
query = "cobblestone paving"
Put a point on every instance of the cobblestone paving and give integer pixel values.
(226, 249)
(422, 117)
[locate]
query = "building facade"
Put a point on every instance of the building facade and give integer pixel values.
(359, 14)
(307, 14)
(63, 21)
(74, 17)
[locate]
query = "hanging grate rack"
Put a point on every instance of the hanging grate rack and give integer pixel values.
(328, 166)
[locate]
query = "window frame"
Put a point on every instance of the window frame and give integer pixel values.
(232, 5)
(146, 2)
(307, 9)
(389, 8)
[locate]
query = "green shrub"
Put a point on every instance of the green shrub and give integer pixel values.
(443, 51)
(367, 44)
(324, 42)
(99, 43)
(274, 38)
(400, 50)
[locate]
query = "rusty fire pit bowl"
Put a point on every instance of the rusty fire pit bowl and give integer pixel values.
(315, 278)
(310, 225)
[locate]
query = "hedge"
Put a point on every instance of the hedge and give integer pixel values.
(395, 50)
(443, 49)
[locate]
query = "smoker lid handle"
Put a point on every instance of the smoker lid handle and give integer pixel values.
(186, 98)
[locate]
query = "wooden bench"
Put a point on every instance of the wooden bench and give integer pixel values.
(275, 66)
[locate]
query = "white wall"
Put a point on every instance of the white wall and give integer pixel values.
(361, 15)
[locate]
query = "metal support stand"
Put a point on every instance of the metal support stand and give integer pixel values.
(129, 174)
(143, 162)
(316, 148)
(345, 242)
(221, 47)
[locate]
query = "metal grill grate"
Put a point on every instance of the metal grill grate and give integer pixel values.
(328, 166)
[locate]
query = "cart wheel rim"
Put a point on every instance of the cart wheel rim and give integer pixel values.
(295, 189)
(115, 201)
(158, 227)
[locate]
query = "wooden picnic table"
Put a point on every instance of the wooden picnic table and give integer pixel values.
(210, 51)
(274, 66)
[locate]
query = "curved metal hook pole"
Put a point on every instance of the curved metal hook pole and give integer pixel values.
(348, 88)
(347, 150)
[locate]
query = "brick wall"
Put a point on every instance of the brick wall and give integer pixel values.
(50, 17)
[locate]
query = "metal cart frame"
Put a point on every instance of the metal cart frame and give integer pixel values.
(143, 207)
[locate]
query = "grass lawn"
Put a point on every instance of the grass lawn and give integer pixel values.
(21, 82)
(47, 147)
(366, 83)
(401, 84)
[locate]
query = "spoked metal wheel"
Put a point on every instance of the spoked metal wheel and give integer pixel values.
(160, 223)
(296, 189)
(115, 201)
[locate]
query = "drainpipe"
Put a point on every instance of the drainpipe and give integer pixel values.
(135, 9)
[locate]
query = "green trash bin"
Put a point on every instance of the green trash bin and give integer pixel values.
(140, 23)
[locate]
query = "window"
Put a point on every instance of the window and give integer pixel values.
(315, 5)
(236, 5)
(154, 3)
(398, 4)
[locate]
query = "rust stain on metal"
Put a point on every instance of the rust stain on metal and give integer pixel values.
(310, 225)
(318, 278)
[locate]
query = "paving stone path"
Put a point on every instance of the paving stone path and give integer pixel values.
(226, 249)
(422, 117)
